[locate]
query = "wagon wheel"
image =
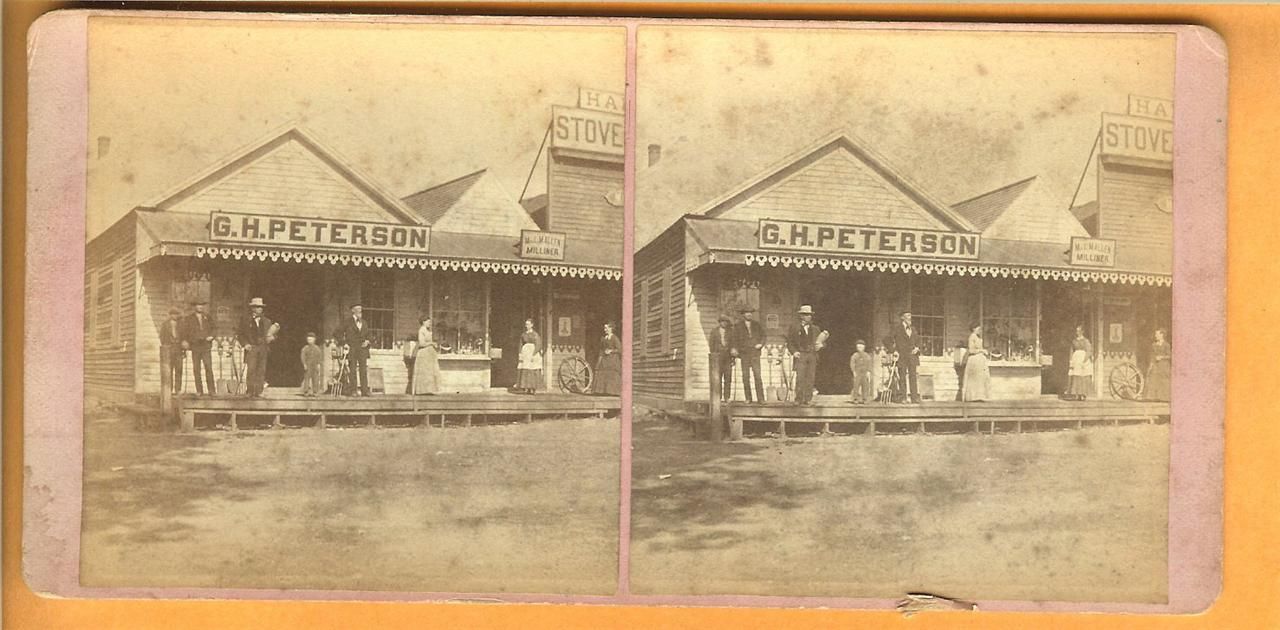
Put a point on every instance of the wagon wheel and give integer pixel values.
(574, 375)
(1126, 381)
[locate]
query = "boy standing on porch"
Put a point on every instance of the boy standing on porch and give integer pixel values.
(312, 360)
(860, 363)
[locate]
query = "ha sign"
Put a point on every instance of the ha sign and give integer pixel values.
(1137, 137)
(586, 130)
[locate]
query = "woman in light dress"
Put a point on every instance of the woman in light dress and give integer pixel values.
(426, 363)
(1080, 372)
(529, 378)
(1159, 372)
(977, 374)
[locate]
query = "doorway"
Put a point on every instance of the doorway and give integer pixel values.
(1062, 308)
(512, 299)
(293, 295)
(843, 304)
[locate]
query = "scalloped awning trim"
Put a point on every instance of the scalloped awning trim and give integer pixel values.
(960, 269)
(402, 262)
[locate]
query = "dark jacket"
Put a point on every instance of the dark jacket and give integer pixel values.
(747, 341)
(725, 348)
(196, 333)
(168, 336)
(904, 345)
(798, 341)
(248, 334)
(355, 337)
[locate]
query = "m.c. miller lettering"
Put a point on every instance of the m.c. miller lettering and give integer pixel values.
(325, 233)
(851, 239)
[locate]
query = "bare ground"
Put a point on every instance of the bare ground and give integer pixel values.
(503, 508)
(1075, 515)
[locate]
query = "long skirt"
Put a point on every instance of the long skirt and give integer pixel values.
(608, 375)
(1080, 375)
(1158, 376)
(426, 371)
(529, 373)
(977, 378)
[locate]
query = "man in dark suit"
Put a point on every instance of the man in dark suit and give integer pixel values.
(724, 349)
(906, 344)
(171, 346)
(197, 336)
(356, 340)
(804, 343)
(254, 338)
(749, 337)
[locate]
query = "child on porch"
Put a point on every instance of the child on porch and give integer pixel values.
(860, 364)
(312, 360)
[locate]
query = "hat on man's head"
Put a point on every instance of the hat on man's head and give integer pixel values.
(746, 309)
(726, 318)
(806, 310)
(173, 310)
(256, 302)
(356, 305)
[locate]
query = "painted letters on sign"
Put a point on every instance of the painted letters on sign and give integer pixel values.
(586, 130)
(600, 100)
(268, 229)
(1093, 252)
(854, 239)
(1150, 107)
(540, 245)
(1137, 137)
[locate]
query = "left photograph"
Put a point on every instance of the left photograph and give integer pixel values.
(352, 302)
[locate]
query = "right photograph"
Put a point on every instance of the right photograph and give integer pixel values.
(901, 313)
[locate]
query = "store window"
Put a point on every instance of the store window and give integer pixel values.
(1009, 319)
(458, 313)
(928, 316)
(104, 309)
(377, 301)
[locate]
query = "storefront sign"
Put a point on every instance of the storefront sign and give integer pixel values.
(540, 245)
(1137, 137)
(849, 239)
(600, 100)
(1150, 107)
(1093, 252)
(329, 234)
(586, 130)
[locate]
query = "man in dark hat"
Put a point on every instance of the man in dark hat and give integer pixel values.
(749, 337)
(724, 349)
(804, 341)
(171, 345)
(197, 336)
(906, 344)
(356, 340)
(254, 336)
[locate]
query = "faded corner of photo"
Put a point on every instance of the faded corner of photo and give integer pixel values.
(903, 303)
(352, 300)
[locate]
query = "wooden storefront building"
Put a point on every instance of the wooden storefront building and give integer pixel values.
(836, 226)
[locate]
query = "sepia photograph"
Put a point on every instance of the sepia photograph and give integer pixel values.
(352, 303)
(902, 313)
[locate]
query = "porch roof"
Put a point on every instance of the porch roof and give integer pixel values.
(735, 242)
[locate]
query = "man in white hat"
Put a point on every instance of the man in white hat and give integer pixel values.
(254, 337)
(804, 341)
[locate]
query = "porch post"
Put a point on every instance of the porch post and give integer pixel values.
(547, 329)
(716, 432)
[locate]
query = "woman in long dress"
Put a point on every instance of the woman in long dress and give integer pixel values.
(426, 363)
(1159, 371)
(1080, 373)
(609, 365)
(529, 376)
(977, 374)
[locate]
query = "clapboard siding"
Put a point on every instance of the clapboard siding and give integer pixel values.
(109, 341)
(656, 373)
(836, 187)
(576, 195)
(1127, 210)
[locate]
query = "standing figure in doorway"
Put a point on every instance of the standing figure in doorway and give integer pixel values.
(312, 357)
(197, 336)
(977, 373)
(255, 336)
(1159, 370)
(426, 361)
(609, 365)
(355, 339)
(906, 345)
(722, 346)
(750, 339)
(171, 345)
(529, 369)
(861, 364)
(1080, 371)
(804, 341)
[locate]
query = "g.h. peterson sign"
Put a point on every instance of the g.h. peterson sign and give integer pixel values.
(268, 229)
(861, 239)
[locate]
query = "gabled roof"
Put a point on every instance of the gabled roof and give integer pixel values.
(433, 202)
(837, 140)
(350, 186)
(1022, 211)
(984, 209)
(475, 203)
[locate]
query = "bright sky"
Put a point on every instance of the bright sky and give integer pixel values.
(410, 105)
(960, 113)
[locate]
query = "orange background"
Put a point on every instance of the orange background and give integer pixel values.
(1252, 565)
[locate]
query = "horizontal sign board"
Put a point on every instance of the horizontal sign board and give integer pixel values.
(600, 100)
(1137, 137)
(586, 130)
(269, 229)
(1093, 252)
(853, 239)
(1149, 107)
(539, 245)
